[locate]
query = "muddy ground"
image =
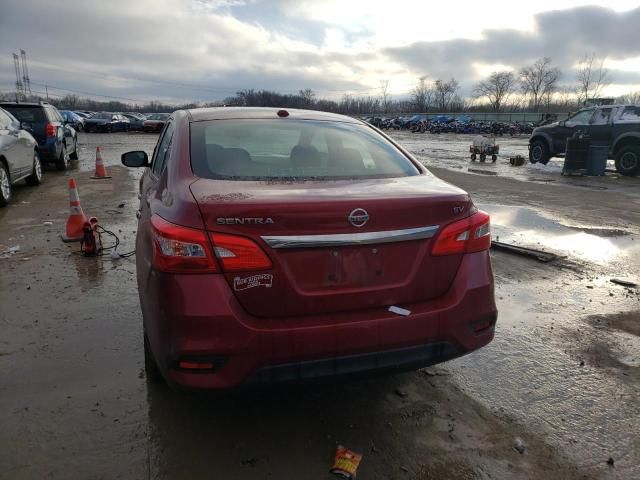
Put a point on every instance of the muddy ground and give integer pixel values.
(561, 379)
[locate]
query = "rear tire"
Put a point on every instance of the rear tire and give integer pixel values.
(5, 185)
(36, 177)
(539, 152)
(494, 158)
(61, 163)
(473, 157)
(628, 161)
(150, 366)
(74, 155)
(483, 157)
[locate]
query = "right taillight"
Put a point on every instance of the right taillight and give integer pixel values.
(471, 234)
(237, 254)
(51, 130)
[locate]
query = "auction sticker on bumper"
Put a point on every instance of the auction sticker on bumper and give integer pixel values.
(259, 280)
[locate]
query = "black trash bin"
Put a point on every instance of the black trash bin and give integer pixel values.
(576, 155)
(597, 158)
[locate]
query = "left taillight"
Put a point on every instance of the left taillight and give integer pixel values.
(471, 234)
(179, 249)
(51, 130)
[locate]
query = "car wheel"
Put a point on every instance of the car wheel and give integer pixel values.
(150, 366)
(109, 129)
(494, 158)
(539, 152)
(483, 157)
(74, 155)
(473, 157)
(36, 177)
(61, 163)
(126, 128)
(628, 161)
(5, 185)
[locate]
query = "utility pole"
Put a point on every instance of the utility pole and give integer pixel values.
(25, 72)
(46, 89)
(19, 87)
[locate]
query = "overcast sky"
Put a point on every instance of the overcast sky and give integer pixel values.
(204, 50)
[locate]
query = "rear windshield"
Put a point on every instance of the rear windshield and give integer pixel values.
(293, 149)
(158, 116)
(27, 114)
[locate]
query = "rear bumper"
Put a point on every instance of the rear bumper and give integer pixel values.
(49, 151)
(198, 316)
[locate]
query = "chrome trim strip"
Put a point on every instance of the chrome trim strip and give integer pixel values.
(342, 239)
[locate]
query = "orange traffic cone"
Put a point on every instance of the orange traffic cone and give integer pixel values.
(75, 223)
(101, 172)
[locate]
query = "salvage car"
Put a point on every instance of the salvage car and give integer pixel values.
(106, 122)
(290, 245)
(615, 125)
(19, 159)
(136, 120)
(155, 122)
(57, 142)
(73, 119)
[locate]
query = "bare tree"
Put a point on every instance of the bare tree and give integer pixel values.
(631, 97)
(421, 95)
(592, 78)
(444, 91)
(384, 94)
(308, 97)
(538, 81)
(496, 89)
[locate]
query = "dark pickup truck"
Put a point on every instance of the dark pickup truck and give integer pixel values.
(616, 125)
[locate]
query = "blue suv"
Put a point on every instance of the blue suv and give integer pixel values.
(57, 142)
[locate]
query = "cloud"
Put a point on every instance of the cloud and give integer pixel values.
(207, 50)
(563, 35)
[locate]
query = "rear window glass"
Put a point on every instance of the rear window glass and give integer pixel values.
(293, 149)
(630, 115)
(158, 116)
(27, 114)
(103, 116)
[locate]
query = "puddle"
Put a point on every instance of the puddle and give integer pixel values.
(525, 227)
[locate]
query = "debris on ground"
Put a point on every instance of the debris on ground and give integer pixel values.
(10, 251)
(121, 205)
(346, 463)
(624, 282)
(517, 161)
(401, 393)
(610, 462)
(518, 445)
(482, 172)
(539, 255)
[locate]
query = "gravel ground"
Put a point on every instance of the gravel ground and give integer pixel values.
(560, 382)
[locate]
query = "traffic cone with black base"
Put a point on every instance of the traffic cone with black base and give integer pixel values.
(100, 172)
(74, 231)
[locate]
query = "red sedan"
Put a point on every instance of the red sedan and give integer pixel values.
(286, 245)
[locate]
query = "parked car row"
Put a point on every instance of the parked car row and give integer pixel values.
(114, 121)
(449, 124)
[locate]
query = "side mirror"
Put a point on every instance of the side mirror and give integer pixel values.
(135, 159)
(562, 123)
(114, 119)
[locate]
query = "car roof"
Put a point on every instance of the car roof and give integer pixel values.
(226, 113)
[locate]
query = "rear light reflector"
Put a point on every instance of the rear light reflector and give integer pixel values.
(237, 254)
(51, 130)
(178, 249)
(471, 234)
(193, 365)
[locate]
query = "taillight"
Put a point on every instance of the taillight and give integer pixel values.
(472, 234)
(238, 254)
(180, 249)
(51, 130)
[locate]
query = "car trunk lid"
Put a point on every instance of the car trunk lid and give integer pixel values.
(323, 262)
